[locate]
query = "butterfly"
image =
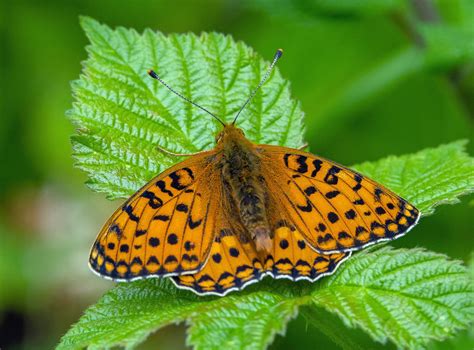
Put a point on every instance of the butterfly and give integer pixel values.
(225, 218)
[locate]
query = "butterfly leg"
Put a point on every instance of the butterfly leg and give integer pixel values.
(303, 146)
(165, 151)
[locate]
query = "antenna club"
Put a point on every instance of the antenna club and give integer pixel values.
(279, 53)
(152, 73)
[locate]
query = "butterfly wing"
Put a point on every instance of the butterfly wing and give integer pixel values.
(335, 209)
(234, 263)
(164, 229)
(293, 258)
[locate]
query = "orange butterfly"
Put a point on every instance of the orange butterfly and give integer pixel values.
(225, 218)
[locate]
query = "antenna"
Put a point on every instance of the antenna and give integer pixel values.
(152, 74)
(278, 54)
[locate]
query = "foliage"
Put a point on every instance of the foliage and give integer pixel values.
(122, 114)
(409, 297)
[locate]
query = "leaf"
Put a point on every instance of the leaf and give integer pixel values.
(447, 45)
(409, 296)
(243, 321)
(122, 115)
(127, 314)
(428, 178)
(330, 325)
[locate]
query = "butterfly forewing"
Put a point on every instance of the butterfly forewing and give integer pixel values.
(164, 229)
(335, 209)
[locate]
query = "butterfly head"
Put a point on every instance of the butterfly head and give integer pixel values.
(228, 133)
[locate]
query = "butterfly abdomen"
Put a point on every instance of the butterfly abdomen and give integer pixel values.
(241, 173)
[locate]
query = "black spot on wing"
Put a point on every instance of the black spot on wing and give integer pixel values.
(161, 217)
(217, 258)
(331, 177)
(285, 159)
(153, 200)
(378, 192)
(162, 186)
(182, 208)
(332, 194)
(188, 245)
(302, 166)
(172, 239)
(129, 210)
(234, 252)
(301, 244)
(350, 214)
(380, 210)
(310, 190)
(333, 217)
(170, 259)
(317, 163)
(306, 208)
(175, 179)
(358, 178)
(193, 224)
(116, 229)
(139, 233)
(154, 242)
(326, 238)
(152, 260)
(360, 230)
(343, 235)
(136, 260)
(284, 244)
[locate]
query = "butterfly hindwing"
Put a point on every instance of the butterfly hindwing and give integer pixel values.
(293, 257)
(232, 265)
(336, 209)
(164, 229)
(233, 261)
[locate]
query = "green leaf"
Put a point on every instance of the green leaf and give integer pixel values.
(243, 321)
(330, 325)
(447, 45)
(409, 296)
(428, 178)
(122, 115)
(127, 314)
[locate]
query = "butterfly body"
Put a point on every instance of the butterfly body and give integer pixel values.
(244, 185)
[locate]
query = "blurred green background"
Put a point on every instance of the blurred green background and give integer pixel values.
(375, 77)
